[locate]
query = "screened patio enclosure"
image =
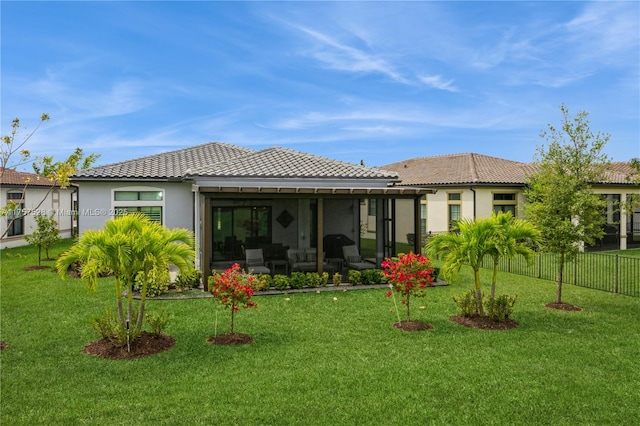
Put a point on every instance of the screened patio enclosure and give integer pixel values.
(276, 220)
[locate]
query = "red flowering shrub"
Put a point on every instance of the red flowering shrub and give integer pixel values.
(409, 274)
(234, 288)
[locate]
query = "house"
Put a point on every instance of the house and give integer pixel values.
(235, 198)
(471, 185)
(34, 195)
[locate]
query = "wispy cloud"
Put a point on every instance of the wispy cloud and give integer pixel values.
(340, 56)
(437, 82)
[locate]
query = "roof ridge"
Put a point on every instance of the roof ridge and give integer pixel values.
(473, 168)
(174, 151)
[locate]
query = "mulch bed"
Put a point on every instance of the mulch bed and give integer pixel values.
(3, 345)
(412, 325)
(146, 344)
(483, 322)
(230, 339)
(563, 307)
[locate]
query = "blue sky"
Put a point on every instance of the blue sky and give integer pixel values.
(372, 81)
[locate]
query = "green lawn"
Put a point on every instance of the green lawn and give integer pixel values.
(320, 361)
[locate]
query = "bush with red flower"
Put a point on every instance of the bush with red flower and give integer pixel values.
(234, 289)
(408, 274)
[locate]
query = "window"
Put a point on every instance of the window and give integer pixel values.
(504, 203)
(423, 218)
(15, 219)
(148, 201)
(238, 228)
(455, 208)
(372, 207)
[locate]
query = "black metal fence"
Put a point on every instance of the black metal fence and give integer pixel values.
(607, 272)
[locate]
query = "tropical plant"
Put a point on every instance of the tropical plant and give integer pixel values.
(234, 289)
(470, 242)
(188, 279)
(512, 237)
(129, 245)
(499, 308)
(409, 274)
(561, 203)
(337, 278)
(466, 302)
(280, 282)
(298, 280)
(354, 277)
(45, 235)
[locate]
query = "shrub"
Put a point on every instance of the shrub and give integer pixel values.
(280, 282)
(466, 303)
(314, 279)
(158, 281)
(298, 280)
(354, 277)
(337, 278)
(188, 279)
(435, 274)
(324, 279)
(158, 321)
(500, 307)
(109, 327)
(265, 282)
(372, 276)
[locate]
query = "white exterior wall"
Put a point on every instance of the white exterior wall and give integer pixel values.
(34, 205)
(96, 203)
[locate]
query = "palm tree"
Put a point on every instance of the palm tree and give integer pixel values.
(469, 242)
(128, 246)
(513, 237)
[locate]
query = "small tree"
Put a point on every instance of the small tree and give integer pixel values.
(57, 172)
(134, 247)
(45, 236)
(470, 242)
(408, 274)
(513, 237)
(561, 203)
(234, 289)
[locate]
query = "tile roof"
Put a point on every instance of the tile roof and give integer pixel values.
(172, 164)
(218, 159)
(280, 162)
(14, 178)
(455, 169)
(477, 169)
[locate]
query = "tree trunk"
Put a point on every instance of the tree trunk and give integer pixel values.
(408, 312)
(479, 309)
(232, 317)
(494, 279)
(39, 255)
(140, 317)
(560, 277)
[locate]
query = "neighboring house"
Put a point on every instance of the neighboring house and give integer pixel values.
(34, 194)
(472, 185)
(236, 198)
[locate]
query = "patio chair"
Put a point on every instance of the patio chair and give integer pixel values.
(255, 262)
(353, 260)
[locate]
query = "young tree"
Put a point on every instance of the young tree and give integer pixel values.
(57, 172)
(470, 242)
(513, 237)
(133, 247)
(45, 236)
(561, 203)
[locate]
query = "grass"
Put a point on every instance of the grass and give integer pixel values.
(316, 360)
